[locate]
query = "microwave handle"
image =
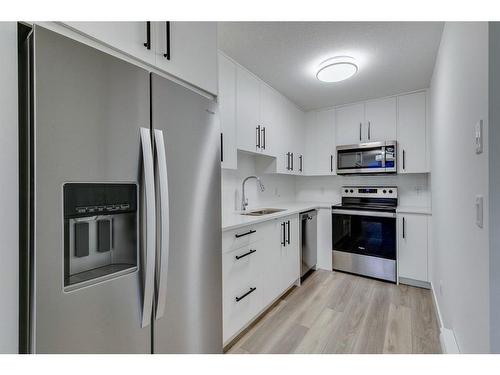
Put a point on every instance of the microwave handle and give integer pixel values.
(359, 155)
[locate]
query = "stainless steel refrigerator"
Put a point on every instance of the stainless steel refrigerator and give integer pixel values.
(121, 206)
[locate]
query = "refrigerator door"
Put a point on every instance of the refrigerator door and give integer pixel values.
(88, 109)
(192, 318)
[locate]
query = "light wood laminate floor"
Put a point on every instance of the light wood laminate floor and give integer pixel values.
(334, 312)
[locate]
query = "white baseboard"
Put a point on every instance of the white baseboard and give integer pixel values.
(446, 336)
(448, 342)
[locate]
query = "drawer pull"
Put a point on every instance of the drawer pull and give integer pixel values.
(238, 299)
(245, 234)
(246, 254)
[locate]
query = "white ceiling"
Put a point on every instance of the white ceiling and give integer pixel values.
(393, 57)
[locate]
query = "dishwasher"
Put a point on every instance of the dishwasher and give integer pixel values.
(309, 241)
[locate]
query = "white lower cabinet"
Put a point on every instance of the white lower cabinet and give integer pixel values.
(257, 273)
(242, 287)
(412, 247)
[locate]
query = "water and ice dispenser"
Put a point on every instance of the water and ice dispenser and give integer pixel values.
(100, 232)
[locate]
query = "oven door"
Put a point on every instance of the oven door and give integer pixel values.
(370, 233)
(364, 243)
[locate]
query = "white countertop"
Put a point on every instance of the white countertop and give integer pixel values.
(414, 210)
(236, 220)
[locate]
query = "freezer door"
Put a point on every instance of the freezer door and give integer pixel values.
(88, 109)
(192, 318)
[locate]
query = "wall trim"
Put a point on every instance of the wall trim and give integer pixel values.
(446, 336)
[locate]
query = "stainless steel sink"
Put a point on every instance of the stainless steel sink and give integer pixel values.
(263, 211)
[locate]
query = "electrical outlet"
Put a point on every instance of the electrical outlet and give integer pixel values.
(479, 210)
(478, 136)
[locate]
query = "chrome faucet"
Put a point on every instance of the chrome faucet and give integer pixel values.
(244, 200)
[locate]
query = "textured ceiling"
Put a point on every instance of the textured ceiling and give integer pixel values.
(393, 57)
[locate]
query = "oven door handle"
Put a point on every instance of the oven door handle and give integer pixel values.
(363, 213)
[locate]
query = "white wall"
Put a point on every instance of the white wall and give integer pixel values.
(460, 259)
(278, 188)
(413, 189)
(494, 160)
(9, 189)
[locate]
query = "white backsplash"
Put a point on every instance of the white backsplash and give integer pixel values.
(278, 188)
(413, 189)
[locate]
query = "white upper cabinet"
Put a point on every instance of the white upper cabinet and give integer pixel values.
(366, 122)
(412, 246)
(128, 37)
(380, 120)
(188, 51)
(192, 54)
(248, 111)
(349, 124)
(227, 111)
(270, 119)
(320, 143)
(411, 133)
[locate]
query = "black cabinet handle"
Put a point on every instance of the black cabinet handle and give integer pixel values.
(221, 147)
(331, 163)
(404, 234)
(287, 161)
(167, 40)
(246, 254)
(245, 234)
(360, 126)
(369, 130)
(148, 35)
(283, 232)
(263, 137)
(291, 158)
(257, 140)
(238, 299)
(288, 225)
(300, 163)
(404, 159)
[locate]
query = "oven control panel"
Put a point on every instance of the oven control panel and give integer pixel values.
(370, 191)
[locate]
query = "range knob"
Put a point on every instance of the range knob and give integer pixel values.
(390, 191)
(346, 190)
(384, 191)
(352, 191)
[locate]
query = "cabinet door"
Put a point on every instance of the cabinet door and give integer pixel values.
(271, 260)
(240, 275)
(127, 37)
(290, 255)
(412, 144)
(349, 124)
(247, 110)
(227, 111)
(270, 120)
(380, 120)
(320, 145)
(412, 249)
(193, 52)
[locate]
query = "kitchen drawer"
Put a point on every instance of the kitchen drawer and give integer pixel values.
(240, 276)
(237, 238)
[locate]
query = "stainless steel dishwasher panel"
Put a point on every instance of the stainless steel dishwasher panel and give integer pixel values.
(309, 240)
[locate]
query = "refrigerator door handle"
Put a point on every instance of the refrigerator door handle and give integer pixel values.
(164, 222)
(149, 188)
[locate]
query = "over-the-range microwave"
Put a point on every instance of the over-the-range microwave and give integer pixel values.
(366, 158)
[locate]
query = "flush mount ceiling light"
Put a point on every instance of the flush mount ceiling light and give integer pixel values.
(337, 69)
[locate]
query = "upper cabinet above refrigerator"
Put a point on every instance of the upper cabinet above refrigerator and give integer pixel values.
(187, 50)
